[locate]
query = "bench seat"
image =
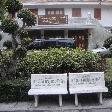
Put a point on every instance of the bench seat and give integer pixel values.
(47, 92)
(88, 90)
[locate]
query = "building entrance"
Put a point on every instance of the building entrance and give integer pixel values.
(80, 37)
(53, 34)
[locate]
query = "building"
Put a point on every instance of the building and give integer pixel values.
(87, 21)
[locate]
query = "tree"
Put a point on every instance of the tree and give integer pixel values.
(2, 9)
(13, 6)
(11, 26)
(27, 17)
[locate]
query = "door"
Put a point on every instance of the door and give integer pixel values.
(80, 37)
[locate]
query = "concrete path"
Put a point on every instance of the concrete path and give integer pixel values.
(53, 107)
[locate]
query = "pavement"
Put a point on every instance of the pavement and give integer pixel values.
(49, 106)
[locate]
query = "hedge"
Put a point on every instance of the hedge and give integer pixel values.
(108, 84)
(63, 60)
(14, 90)
(53, 60)
(17, 90)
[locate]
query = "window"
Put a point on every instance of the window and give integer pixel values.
(76, 12)
(35, 11)
(97, 13)
(55, 11)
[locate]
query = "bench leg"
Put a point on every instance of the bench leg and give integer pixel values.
(60, 100)
(76, 100)
(100, 98)
(36, 100)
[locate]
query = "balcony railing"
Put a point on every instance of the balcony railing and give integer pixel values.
(64, 20)
(52, 20)
(81, 21)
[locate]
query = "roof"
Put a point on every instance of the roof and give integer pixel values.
(64, 2)
(43, 1)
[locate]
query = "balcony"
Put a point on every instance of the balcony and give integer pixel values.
(52, 20)
(81, 21)
(45, 21)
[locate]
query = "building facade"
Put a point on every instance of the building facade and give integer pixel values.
(84, 20)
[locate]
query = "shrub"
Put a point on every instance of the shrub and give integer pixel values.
(54, 60)
(108, 84)
(17, 90)
(5, 63)
(14, 90)
(107, 42)
(61, 60)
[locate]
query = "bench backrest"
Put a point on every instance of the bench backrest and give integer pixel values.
(49, 81)
(86, 79)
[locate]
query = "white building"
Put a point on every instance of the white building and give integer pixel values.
(84, 20)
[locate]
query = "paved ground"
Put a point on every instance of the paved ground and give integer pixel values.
(53, 107)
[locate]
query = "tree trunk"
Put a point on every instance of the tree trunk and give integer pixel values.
(14, 57)
(14, 42)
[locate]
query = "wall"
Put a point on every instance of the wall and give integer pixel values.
(98, 36)
(106, 12)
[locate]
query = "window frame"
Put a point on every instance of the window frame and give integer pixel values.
(49, 10)
(97, 13)
(76, 12)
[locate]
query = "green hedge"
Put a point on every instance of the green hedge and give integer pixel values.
(61, 60)
(53, 60)
(17, 90)
(14, 90)
(108, 84)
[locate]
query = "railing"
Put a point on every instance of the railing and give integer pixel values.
(52, 20)
(64, 20)
(81, 21)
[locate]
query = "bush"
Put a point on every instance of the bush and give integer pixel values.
(54, 60)
(108, 84)
(5, 63)
(61, 60)
(14, 90)
(17, 90)
(107, 42)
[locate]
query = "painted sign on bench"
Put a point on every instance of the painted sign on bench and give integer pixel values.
(47, 81)
(87, 82)
(44, 84)
(86, 79)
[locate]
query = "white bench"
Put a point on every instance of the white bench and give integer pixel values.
(48, 84)
(87, 82)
